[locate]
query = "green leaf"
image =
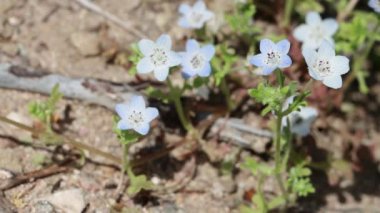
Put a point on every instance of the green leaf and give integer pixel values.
(134, 58)
(157, 94)
(276, 202)
(126, 137)
(223, 62)
(241, 21)
(138, 183)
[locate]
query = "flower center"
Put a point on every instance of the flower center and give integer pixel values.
(317, 34)
(196, 17)
(197, 62)
(273, 58)
(135, 118)
(323, 67)
(159, 57)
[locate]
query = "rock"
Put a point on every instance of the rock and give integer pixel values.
(43, 206)
(10, 49)
(6, 5)
(88, 44)
(70, 200)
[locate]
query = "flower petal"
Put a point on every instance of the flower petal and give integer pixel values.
(334, 82)
(286, 61)
(310, 56)
(257, 60)
(143, 128)
(199, 6)
(326, 50)
(208, 51)
(150, 114)
(283, 46)
(330, 26)
(174, 59)
(137, 102)
(207, 15)
(165, 41)
(313, 18)
(161, 74)
(184, 9)
(341, 65)
(123, 125)
(301, 32)
(314, 74)
(266, 46)
(267, 70)
(145, 65)
(146, 46)
(183, 22)
(122, 110)
(192, 45)
(206, 71)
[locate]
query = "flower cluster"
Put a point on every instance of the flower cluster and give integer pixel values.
(159, 58)
(194, 17)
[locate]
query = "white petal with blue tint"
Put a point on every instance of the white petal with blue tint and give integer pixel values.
(208, 51)
(341, 64)
(137, 102)
(199, 5)
(150, 114)
(143, 129)
(206, 71)
(267, 70)
(326, 50)
(267, 45)
(122, 110)
(313, 18)
(184, 8)
(314, 75)
(286, 61)
(194, 17)
(330, 26)
(257, 60)
(145, 66)
(283, 46)
(301, 32)
(334, 82)
(183, 22)
(146, 46)
(174, 59)
(161, 74)
(123, 125)
(192, 45)
(164, 41)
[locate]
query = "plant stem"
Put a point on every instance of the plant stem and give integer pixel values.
(176, 98)
(288, 12)
(64, 140)
(227, 95)
(278, 166)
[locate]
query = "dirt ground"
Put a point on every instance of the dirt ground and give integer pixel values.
(60, 36)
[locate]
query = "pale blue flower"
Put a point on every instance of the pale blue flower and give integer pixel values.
(375, 4)
(300, 121)
(158, 57)
(196, 59)
(272, 56)
(325, 66)
(316, 30)
(194, 17)
(134, 115)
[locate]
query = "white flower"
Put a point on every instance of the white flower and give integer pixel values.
(316, 30)
(325, 66)
(375, 4)
(134, 115)
(300, 121)
(272, 56)
(158, 57)
(194, 17)
(196, 59)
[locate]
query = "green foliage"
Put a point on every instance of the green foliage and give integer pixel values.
(352, 35)
(44, 110)
(299, 182)
(138, 183)
(157, 94)
(272, 97)
(241, 21)
(126, 137)
(305, 6)
(134, 58)
(223, 63)
(257, 168)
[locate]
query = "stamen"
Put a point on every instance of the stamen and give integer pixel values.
(159, 57)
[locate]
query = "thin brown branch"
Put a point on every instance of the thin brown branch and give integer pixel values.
(347, 11)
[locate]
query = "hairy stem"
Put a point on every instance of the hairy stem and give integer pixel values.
(227, 95)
